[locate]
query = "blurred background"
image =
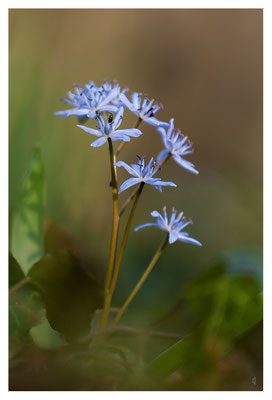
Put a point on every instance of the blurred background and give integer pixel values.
(205, 67)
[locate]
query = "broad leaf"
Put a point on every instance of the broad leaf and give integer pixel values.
(27, 220)
(70, 295)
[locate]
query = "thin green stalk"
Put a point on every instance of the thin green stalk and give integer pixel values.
(129, 199)
(121, 252)
(122, 144)
(114, 234)
(141, 281)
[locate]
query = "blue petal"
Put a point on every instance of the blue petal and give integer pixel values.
(127, 167)
(129, 182)
(186, 164)
(109, 108)
(188, 239)
(145, 225)
(112, 95)
(155, 122)
(90, 130)
(126, 102)
(73, 111)
(115, 137)
(161, 156)
(118, 118)
(130, 132)
(92, 114)
(152, 181)
(162, 183)
(136, 100)
(99, 142)
(162, 132)
(155, 214)
(173, 237)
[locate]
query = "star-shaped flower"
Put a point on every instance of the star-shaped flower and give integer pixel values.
(174, 226)
(142, 173)
(108, 128)
(144, 109)
(90, 101)
(177, 145)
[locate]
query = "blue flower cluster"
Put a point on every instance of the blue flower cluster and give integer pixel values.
(105, 105)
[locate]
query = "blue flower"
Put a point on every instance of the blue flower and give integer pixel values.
(142, 173)
(174, 226)
(108, 86)
(177, 145)
(144, 109)
(90, 101)
(107, 128)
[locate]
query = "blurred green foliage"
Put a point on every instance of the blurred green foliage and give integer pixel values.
(27, 243)
(214, 311)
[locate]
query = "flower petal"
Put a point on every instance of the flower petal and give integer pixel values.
(112, 95)
(161, 156)
(109, 107)
(118, 118)
(123, 98)
(114, 137)
(130, 132)
(145, 225)
(155, 122)
(173, 237)
(129, 182)
(162, 183)
(155, 214)
(185, 164)
(99, 142)
(130, 170)
(188, 239)
(90, 130)
(72, 111)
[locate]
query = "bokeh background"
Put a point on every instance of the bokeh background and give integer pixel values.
(205, 67)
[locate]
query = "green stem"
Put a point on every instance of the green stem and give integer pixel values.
(121, 252)
(122, 144)
(141, 281)
(114, 234)
(129, 199)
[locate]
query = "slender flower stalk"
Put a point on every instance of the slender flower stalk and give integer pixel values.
(141, 281)
(121, 145)
(121, 252)
(114, 235)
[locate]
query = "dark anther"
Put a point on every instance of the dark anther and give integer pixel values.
(110, 183)
(110, 118)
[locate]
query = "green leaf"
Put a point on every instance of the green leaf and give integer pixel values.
(15, 271)
(237, 308)
(223, 307)
(70, 295)
(45, 337)
(27, 242)
(184, 353)
(25, 311)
